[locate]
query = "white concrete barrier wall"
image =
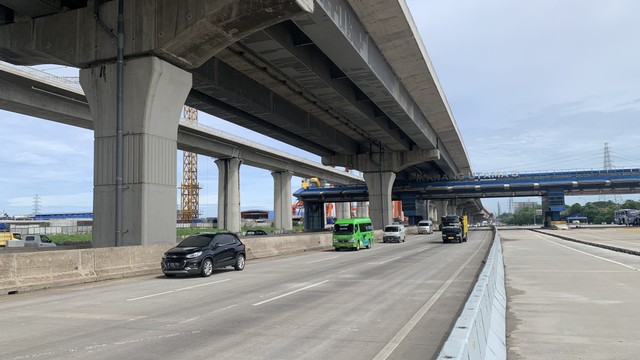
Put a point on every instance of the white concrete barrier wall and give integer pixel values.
(20, 272)
(480, 331)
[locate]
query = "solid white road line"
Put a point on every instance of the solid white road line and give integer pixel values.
(172, 291)
(586, 253)
(289, 293)
(316, 261)
(384, 262)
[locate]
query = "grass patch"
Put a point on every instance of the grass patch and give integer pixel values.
(70, 239)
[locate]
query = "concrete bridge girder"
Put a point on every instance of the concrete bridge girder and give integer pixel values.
(184, 33)
(387, 162)
(223, 91)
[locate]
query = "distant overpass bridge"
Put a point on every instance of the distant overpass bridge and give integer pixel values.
(551, 186)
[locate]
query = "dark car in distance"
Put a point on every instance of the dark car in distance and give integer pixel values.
(201, 253)
(255, 232)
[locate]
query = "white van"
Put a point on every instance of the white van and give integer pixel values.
(425, 227)
(394, 233)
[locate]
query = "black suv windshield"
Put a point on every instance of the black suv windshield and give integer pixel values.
(196, 240)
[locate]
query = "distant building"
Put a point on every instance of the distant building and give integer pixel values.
(87, 215)
(254, 215)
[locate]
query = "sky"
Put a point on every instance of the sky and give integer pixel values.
(533, 86)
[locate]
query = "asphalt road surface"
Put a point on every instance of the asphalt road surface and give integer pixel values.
(394, 301)
(571, 301)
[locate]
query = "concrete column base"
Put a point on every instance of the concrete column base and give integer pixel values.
(154, 93)
(229, 194)
(379, 185)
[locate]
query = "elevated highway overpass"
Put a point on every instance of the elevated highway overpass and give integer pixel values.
(551, 186)
(31, 93)
(326, 76)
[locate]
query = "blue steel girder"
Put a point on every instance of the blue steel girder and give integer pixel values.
(620, 181)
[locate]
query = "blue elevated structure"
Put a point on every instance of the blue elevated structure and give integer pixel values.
(551, 186)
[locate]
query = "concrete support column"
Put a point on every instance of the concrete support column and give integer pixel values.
(432, 210)
(282, 200)
(229, 194)
(379, 185)
(343, 210)
(422, 210)
(441, 210)
(363, 209)
(453, 207)
(154, 93)
(313, 216)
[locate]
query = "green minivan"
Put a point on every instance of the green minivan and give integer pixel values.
(352, 233)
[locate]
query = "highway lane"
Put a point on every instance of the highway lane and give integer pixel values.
(394, 301)
(569, 300)
(625, 237)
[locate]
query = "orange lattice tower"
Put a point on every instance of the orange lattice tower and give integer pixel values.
(189, 190)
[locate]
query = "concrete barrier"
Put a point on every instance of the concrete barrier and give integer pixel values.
(28, 271)
(480, 331)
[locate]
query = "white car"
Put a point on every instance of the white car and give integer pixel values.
(425, 227)
(394, 233)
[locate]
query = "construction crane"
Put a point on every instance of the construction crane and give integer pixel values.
(189, 189)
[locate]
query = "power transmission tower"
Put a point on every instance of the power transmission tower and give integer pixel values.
(608, 165)
(190, 190)
(36, 204)
(511, 206)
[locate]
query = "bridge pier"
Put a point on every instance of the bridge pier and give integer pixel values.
(379, 185)
(363, 209)
(313, 216)
(552, 205)
(343, 210)
(442, 207)
(282, 200)
(432, 210)
(154, 94)
(229, 194)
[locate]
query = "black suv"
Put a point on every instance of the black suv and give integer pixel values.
(201, 253)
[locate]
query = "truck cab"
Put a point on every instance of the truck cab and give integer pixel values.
(454, 228)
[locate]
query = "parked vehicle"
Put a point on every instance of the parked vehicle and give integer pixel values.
(255, 232)
(394, 233)
(201, 253)
(37, 241)
(628, 217)
(352, 233)
(425, 227)
(454, 228)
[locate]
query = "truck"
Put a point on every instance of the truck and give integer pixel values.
(6, 235)
(454, 228)
(39, 241)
